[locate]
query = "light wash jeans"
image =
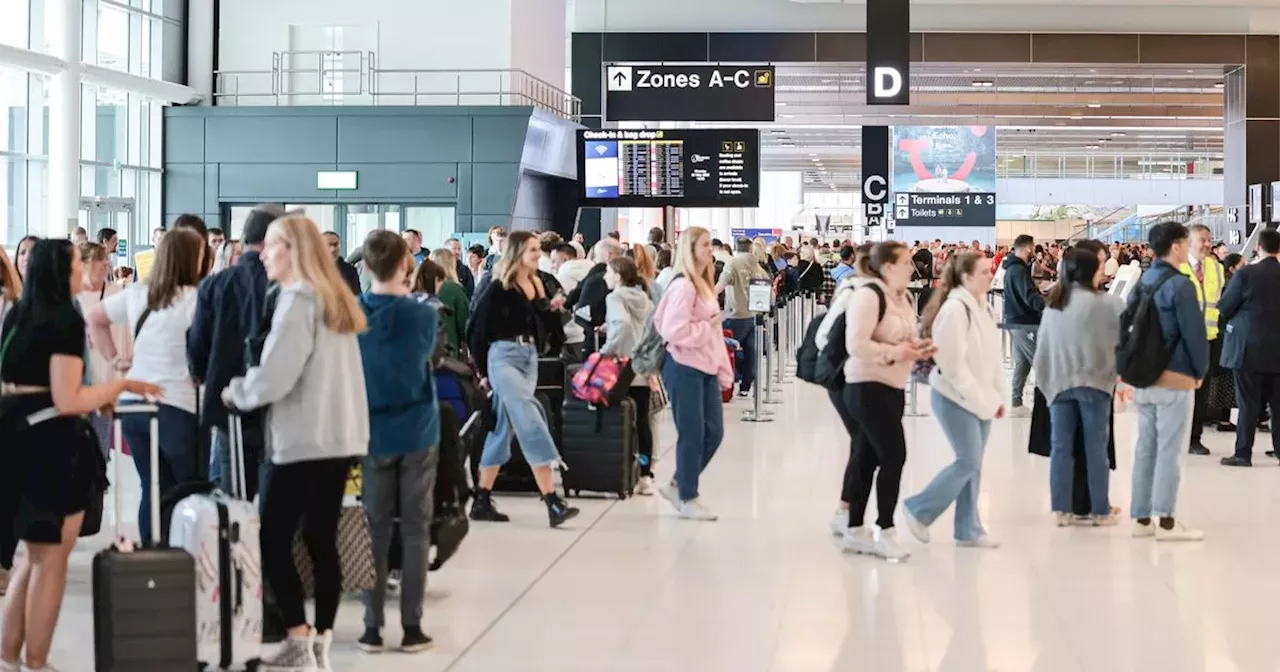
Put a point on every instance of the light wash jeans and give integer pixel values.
(513, 377)
(1088, 410)
(961, 480)
(1164, 427)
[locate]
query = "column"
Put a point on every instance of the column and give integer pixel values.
(63, 21)
(1251, 136)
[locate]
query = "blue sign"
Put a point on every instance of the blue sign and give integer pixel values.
(769, 235)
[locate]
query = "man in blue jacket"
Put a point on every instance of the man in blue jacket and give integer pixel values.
(399, 472)
(1165, 408)
(1023, 306)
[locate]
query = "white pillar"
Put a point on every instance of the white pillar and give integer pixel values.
(62, 22)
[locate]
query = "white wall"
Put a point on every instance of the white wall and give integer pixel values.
(1066, 191)
(538, 39)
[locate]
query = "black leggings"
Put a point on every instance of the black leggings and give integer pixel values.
(307, 493)
(644, 427)
(880, 444)
(851, 426)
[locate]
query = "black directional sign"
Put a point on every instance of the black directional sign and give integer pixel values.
(888, 52)
(689, 92)
(875, 174)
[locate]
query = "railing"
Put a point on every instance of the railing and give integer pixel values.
(1111, 165)
(354, 78)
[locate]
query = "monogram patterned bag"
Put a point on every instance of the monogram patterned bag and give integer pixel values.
(355, 554)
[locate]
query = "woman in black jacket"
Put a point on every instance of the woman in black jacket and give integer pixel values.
(517, 318)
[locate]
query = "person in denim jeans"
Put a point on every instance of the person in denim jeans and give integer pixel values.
(696, 369)
(736, 281)
(513, 321)
(1165, 408)
(1076, 370)
(969, 389)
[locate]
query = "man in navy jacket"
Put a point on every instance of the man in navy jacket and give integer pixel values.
(1250, 313)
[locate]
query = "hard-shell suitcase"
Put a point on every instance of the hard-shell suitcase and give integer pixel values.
(600, 447)
(221, 531)
(144, 598)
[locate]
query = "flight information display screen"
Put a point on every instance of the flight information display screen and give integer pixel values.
(695, 168)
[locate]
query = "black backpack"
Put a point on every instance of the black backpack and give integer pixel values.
(1142, 355)
(828, 366)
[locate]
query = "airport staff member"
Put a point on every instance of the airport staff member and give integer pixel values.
(1209, 277)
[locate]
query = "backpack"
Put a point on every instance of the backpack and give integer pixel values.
(651, 352)
(828, 367)
(1142, 355)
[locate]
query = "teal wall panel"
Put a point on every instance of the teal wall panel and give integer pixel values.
(404, 139)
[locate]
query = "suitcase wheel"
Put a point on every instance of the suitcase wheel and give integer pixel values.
(622, 495)
(252, 665)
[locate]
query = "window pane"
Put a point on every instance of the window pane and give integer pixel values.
(111, 125)
(13, 109)
(13, 200)
(14, 22)
(112, 38)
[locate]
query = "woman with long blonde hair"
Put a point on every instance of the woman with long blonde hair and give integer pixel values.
(696, 369)
(515, 320)
(312, 376)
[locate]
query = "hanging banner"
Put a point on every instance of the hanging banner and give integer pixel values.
(875, 174)
(888, 52)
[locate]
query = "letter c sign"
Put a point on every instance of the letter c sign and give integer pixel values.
(875, 189)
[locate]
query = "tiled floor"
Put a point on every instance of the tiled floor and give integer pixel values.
(630, 587)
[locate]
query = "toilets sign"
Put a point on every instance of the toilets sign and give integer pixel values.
(688, 92)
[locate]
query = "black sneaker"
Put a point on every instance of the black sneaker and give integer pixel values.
(1226, 427)
(557, 510)
(415, 641)
(1235, 461)
(482, 509)
(371, 641)
(1271, 453)
(1198, 448)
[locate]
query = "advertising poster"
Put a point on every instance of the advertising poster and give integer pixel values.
(944, 175)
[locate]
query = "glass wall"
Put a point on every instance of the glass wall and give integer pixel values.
(120, 145)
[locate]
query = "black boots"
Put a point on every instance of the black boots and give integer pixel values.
(482, 509)
(558, 511)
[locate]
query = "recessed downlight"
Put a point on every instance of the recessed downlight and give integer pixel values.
(1094, 106)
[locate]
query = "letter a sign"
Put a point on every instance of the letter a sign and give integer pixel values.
(888, 52)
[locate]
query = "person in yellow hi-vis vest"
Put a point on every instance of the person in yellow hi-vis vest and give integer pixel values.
(1209, 277)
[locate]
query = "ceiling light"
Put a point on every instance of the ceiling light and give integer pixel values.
(782, 104)
(1091, 146)
(1094, 106)
(1219, 85)
(1117, 134)
(1077, 116)
(982, 84)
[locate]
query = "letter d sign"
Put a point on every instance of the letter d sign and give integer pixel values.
(887, 82)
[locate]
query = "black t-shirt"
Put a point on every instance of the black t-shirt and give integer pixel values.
(923, 260)
(26, 360)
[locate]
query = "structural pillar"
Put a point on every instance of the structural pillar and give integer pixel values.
(62, 22)
(1251, 137)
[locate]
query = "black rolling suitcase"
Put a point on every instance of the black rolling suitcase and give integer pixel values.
(144, 598)
(600, 446)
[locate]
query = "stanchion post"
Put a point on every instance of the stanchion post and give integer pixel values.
(755, 414)
(768, 378)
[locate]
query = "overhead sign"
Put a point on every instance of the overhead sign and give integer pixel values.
(689, 93)
(889, 52)
(944, 176)
(875, 174)
(692, 168)
(335, 179)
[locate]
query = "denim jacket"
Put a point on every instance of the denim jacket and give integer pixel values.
(1181, 321)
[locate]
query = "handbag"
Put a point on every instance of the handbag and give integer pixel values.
(659, 400)
(355, 554)
(604, 380)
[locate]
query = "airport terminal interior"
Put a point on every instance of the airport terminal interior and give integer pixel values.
(969, 122)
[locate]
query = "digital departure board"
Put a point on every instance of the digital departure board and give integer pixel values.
(692, 168)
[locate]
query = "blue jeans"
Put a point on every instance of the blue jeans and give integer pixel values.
(179, 434)
(513, 377)
(744, 332)
(961, 480)
(698, 412)
(1088, 410)
(1164, 427)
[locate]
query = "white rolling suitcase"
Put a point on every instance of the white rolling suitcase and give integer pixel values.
(220, 530)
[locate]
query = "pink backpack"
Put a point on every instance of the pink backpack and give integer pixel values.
(604, 380)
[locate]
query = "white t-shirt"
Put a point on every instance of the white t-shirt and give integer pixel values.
(160, 351)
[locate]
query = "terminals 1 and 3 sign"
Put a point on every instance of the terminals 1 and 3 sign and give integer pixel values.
(689, 93)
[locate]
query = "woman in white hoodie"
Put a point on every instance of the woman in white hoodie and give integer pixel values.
(969, 387)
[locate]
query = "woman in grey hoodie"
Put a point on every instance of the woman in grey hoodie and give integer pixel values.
(312, 379)
(1075, 367)
(628, 307)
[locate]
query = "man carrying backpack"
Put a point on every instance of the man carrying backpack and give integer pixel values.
(1164, 353)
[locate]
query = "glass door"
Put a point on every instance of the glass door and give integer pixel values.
(118, 214)
(354, 221)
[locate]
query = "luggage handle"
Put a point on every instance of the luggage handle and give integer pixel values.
(235, 439)
(122, 544)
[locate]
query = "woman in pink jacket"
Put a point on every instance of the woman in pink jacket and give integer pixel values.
(696, 368)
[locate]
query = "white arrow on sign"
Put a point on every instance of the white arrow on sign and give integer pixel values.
(619, 77)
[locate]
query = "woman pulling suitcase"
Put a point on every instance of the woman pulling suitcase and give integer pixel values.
(628, 306)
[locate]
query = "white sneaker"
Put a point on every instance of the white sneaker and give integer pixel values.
(1141, 531)
(6, 666)
(644, 487)
(321, 646)
(887, 546)
(1019, 412)
(981, 542)
(858, 540)
(1063, 519)
(669, 492)
(694, 510)
(47, 668)
(918, 529)
(839, 522)
(296, 654)
(1179, 532)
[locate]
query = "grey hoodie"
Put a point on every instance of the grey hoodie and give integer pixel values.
(312, 380)
(628, 309)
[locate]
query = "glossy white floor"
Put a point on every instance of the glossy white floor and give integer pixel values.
(630, 587)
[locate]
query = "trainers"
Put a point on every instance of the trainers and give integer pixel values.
(670, 493)
(47, 668)
(1104, 520)
(695, 510)
(1197, 448)
(1141, 531)
(320, 645)
(1062, 519)
(840, 522)
(296, 654)
(1179, 532)
(6, 666)
(1019, 412)
(918, 529)
(859, 540)
(887, 546)
(482, 509)
(415, 641)
(371, 641)
(644, 487)
(558, 512)
(981, 542)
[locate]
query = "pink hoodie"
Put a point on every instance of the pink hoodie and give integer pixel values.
(690, 324)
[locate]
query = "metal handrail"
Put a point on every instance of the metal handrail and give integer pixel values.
(1127, 165)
